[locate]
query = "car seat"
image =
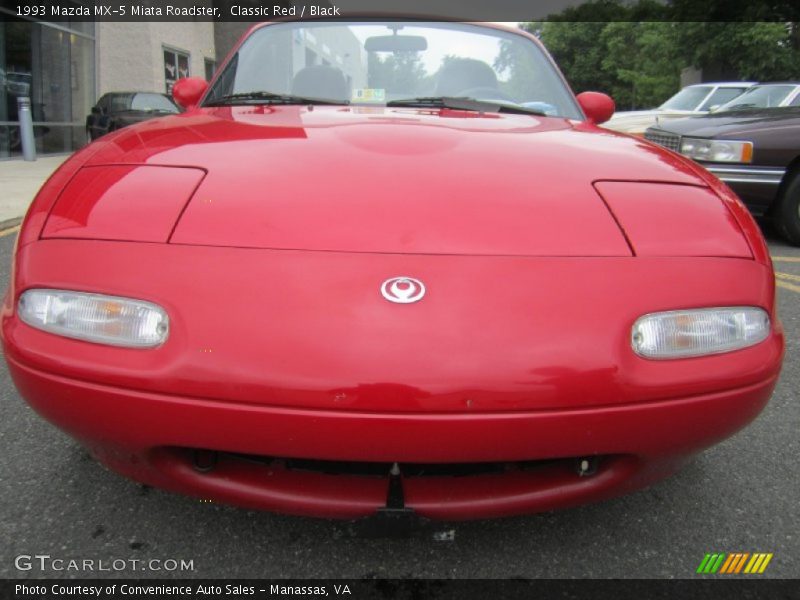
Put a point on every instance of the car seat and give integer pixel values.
(320, 81)
(461, 74)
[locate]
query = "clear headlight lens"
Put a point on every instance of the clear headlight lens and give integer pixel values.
(684, 333)
(717, 150)
(95, 317)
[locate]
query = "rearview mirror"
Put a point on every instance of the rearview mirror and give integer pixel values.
(188, 91)
(396, 43)
(96, 110)
(597, 107)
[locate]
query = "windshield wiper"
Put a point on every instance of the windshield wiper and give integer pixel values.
(268, 98)
(465, 103)
(743, 107)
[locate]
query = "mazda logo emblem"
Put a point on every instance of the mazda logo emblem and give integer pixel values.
(403, 290)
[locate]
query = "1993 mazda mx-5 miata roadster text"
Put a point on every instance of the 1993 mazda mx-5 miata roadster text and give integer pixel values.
(390, 264)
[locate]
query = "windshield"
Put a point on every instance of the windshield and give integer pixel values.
(720, 97)
(380, 62)
(152, 102)
(689, 98)
(764, 96)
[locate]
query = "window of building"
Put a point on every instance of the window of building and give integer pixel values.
(210, 66)
(176, 66)
(53, 65)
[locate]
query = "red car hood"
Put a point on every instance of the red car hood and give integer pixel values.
(395, 180)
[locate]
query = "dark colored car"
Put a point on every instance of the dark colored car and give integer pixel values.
(756, 152)
(116, 110)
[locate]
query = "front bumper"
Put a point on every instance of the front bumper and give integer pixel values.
(150, 437)
(747, 174)
(506, 360)
(756, 186)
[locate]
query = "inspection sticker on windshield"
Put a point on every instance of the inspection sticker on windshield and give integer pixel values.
(369, 95)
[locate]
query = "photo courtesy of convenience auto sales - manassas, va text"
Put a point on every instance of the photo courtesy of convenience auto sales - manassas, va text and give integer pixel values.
(170, 10)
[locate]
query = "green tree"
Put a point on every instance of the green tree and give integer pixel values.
(637, 63)
(575, 47)
(734, 10)
(396, 72)
(635, 52)
(575, 39)
(759, 51)
(643, 59)
(518, 71)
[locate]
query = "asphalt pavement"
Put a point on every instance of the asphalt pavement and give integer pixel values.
(742, 495)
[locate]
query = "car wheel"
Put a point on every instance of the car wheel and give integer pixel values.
(786, 215)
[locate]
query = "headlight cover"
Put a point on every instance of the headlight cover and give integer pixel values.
(717, 150)
(699, 332)
(95, 317)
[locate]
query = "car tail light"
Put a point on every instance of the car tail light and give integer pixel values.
(95, 318)
(686, 333)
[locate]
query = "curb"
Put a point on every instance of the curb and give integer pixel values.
(9, 223)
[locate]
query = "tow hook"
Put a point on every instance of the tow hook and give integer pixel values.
(395, 498)
(394, 519)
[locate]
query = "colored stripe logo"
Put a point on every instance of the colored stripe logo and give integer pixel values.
(734, 563)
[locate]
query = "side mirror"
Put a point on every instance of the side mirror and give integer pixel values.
(96, 110)
(597, 107)
(188, 91)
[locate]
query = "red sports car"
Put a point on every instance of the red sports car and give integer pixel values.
(390, 266)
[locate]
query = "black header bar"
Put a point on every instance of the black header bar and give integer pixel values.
(455, 10)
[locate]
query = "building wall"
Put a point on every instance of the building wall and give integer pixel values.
(130, 56)
(335, 47)
(119, 64)
(226, 34)
(65, 68)
(691, 76)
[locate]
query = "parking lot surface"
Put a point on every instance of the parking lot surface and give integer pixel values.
(739, 496)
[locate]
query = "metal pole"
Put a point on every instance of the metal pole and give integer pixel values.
(26, 128)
